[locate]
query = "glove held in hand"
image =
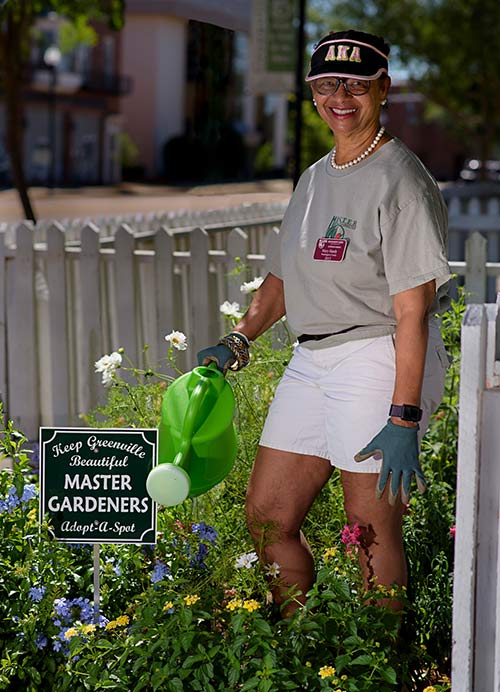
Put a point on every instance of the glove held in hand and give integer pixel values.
(231, 352)
(398, 446)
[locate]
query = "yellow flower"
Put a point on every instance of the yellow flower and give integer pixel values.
(168, 605)
(343, 677)
(71, 632)
(329, 552)
(251, 605)
(234, 603)
(431, 688)
(120, 621)
(191, 600)
(326, 672)
(86, 629)
(308, 664)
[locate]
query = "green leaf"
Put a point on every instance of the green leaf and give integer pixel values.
(341, 662)
(389, 675)
(363, 660)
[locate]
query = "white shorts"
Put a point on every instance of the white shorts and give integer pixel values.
(331, 402)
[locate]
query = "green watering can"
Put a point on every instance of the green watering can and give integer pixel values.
(197, 438)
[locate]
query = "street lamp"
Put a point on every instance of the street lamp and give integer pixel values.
(52, 58)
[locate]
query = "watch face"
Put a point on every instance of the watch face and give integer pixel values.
(411, 413)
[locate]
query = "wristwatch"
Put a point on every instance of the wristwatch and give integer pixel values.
(406, 412)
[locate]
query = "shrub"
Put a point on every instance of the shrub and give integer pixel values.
(194, 612)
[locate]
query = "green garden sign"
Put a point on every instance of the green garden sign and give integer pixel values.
(93, 484)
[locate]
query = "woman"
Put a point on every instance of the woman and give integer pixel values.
(359, 268)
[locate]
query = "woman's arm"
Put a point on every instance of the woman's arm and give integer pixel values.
(411, 308)
(266, 308)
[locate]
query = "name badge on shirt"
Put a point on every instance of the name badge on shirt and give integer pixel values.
(330, 249)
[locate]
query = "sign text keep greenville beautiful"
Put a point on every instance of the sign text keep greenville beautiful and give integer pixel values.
(93, 484)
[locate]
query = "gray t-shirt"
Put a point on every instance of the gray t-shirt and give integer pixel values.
(391, 213)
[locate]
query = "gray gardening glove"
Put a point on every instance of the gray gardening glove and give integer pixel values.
(221, 355)
(232, 352)
(398, 446)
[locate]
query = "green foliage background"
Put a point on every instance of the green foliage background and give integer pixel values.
(212, 626)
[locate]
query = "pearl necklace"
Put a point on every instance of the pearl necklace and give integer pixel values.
(367, 152)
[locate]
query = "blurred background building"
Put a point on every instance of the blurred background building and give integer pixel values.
(72, 108)
(169, 99)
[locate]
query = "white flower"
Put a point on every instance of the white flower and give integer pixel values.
(246, 560)
(251, 286)
(230, 309)
(273, 570)
(107, 365)
(177, 340)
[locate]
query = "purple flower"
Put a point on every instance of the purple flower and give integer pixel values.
(116, 568)
(41, 641)
(11, 501)
(197, 561)
(159, 572)
(205, 532)
(36, 593)
(29, 493)
(66, 611)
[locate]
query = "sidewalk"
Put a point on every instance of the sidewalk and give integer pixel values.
(132, 198)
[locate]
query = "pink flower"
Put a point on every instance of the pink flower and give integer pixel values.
(350, 536)
(453, 531)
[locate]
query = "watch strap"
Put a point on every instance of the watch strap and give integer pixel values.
(406, 412)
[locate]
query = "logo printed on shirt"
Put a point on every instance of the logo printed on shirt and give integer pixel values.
(333, 246)
(339, 225)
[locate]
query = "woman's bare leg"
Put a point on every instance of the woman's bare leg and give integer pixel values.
(382, 555)
(282, 488)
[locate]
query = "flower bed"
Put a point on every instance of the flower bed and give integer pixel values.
(194, 612)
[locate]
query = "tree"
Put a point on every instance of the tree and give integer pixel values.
(17, 18)
(451, 49)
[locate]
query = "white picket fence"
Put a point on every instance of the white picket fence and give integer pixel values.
(466, 217)
(69, 294)
(64, 305)
(476, 588)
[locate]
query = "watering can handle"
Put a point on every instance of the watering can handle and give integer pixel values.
(195, 401)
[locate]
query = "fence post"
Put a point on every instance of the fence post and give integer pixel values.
(164, 287)
(23, 386)
(200, 304)
(125, 292)
(58, 333)
(89, 326)
(475, 273)
(472, 379)
(236, 257)
(3, 325)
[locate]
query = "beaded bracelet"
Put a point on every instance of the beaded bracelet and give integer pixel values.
(239, 345)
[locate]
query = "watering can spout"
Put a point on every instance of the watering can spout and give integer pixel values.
(197, 445)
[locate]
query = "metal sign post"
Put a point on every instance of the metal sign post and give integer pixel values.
(97, 577)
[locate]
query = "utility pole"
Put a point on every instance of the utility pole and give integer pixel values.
(299, 91)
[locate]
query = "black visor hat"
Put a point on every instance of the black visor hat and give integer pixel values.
(349, 54)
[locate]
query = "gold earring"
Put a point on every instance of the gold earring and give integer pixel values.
(384, 102)
(314, 102)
